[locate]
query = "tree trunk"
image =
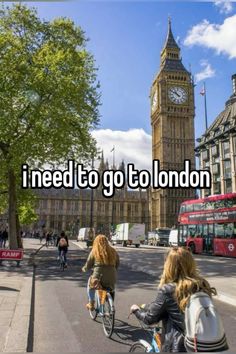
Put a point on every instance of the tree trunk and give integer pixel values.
(12, 229)
(18, 233)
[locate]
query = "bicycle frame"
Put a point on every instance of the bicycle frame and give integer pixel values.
(100, 308)
(62, 259)
(154, 346)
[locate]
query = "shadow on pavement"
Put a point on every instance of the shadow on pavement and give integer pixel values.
(128, 334)
(48, 268)
(6, 288)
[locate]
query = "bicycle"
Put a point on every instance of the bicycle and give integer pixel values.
(62, 260)
(104, 307)
(154, 346)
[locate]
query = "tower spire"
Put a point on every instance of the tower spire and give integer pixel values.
(170, 41)
(170, 54)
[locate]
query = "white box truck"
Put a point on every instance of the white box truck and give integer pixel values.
(129, 234)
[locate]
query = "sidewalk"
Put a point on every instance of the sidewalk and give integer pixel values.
(15, 301)
(226, 286)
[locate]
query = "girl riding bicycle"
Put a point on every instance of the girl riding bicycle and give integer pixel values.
(180, 279)
(63, 244)
(104, 260)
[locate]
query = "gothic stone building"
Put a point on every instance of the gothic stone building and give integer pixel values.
(217, 149)
(69, 210)
(172, 119)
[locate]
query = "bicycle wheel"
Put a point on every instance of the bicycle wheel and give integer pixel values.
(62, 262)
(108, 318)
(93, 313)
(138, 347)
(62, 265)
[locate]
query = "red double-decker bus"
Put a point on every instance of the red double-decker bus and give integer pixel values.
(208, 225)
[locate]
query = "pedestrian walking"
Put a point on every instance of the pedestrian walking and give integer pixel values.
(4, 238)
(47, 239)
(1, 239)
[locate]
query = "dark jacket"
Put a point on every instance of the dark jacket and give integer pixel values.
(165, 309)
(5, 235)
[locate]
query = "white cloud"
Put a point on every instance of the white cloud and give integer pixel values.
(206, 73)
(178, 40)
(225, 6)
(221, 38)
(132, 146)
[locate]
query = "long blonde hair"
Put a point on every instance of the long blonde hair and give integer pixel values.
(180, 268)
(103, 252)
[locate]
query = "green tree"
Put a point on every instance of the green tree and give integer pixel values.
(49, 97)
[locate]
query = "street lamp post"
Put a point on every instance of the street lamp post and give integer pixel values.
(91, 233)
(112, 204)
(91, 200)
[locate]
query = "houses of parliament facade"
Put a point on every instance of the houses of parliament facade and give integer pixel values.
(71, 209)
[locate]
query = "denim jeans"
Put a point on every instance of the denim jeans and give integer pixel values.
(90, 292)
(64, 251)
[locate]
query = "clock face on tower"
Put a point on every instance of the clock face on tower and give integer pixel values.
(154, 101)
(177, 95)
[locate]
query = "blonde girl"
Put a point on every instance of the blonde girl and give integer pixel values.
(104, 260)
(180, 279)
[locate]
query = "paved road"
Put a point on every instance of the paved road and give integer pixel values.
(219, 271)
(61, 319)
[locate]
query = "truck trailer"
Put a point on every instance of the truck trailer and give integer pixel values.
(129, 234)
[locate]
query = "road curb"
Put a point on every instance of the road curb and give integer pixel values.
(17, 338)
(20, 334)
(86, 250)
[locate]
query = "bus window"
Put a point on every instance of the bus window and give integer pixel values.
(183, 234)
(219, 230)
(198, 206)
(192, 230)
(211, 230)
(182, 209)
(189, 208)
(199, 231)
(209, 205)
(205, 231)
(234, 235)
(229, 203)
(229, 230)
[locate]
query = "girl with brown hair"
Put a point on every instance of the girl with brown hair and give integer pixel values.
(180, 279)
(104, 260)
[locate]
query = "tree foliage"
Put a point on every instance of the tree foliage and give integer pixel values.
(49, 96)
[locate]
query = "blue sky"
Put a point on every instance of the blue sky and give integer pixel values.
(126, 39)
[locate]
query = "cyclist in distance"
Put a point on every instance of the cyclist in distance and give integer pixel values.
(104, 260)
(63, 244)
(180, 279)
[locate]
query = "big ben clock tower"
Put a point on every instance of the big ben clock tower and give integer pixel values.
(172, 119)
